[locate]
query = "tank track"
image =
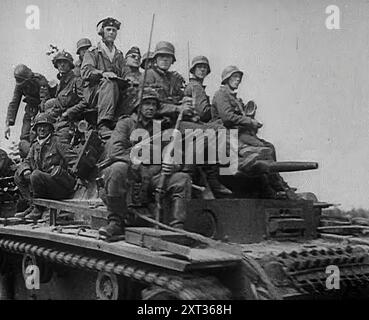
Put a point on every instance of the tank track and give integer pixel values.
(185, 287)
(306, 270)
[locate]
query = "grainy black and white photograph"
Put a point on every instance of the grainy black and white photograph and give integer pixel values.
(184, 150)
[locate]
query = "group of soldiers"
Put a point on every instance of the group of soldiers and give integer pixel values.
(123, 98)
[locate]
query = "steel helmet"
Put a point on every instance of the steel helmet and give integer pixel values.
(22, 73)
(144, 57)
(165, 47)
(43, 118)
(63, 55)
(198, 60)
(229, 71)
(148, 93)
(83, 43)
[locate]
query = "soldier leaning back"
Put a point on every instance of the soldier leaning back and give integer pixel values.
(178, 186)
(100, 68)
(35, 89)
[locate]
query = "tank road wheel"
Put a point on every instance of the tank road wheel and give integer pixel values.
(108, 287)
(45, 270)
(157, 293)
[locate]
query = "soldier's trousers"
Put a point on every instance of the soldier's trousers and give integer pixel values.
(178, 186)
(27, 136)
(104, 96)
(43, 185)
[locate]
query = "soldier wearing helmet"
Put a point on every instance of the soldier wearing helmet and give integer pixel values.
(232, 111)
(82, 46)
(119, 191)
(45, 171)
(100, 68)
(35, 89)
(200, 69)
(69, 102)
(170, 84)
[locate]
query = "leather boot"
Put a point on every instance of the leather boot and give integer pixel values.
(179, 213)
(218, 189)
(36, 213)
(116, 214)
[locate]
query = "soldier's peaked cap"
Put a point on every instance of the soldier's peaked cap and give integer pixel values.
(199, 60)
(133, 50)
(109, 22)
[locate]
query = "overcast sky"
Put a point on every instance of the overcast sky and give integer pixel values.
(310, 82)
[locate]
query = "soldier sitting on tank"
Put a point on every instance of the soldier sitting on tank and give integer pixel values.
(200, 69)
(178, 186)
(35, 89)
(82, 46)
(169, 84)
(231, 110)
(69, 103)
(100, 68)
(45, 171)
(132, 74)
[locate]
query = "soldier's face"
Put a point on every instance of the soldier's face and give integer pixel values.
(164, 61)
(43, 130)
(201, 71)
(149, 108)
(63, 66)
(81, 53)
(110, 34)
(234, 81)
(133, 60)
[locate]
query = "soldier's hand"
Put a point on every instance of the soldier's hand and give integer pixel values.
(109, 75)
(7, 132)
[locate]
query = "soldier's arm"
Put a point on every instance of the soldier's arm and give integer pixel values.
(229, 118)
(119, 142)
(77, 110)
(26, 165)
(67, 153)
(89, 71)
(14, 106)
(201, 103)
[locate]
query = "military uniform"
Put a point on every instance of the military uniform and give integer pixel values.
(201, 100)
(168, 84)
(102, 93)
(36, 92)
(77, 68)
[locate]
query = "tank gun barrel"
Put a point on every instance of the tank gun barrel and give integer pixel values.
(289, 166)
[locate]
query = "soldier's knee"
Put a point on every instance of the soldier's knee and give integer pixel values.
(36, 177)
(180, 182)
(119, 168)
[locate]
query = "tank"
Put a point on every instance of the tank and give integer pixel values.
(242, 247)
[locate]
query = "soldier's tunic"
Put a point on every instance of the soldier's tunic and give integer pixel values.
(49, 162)
(201, 101)
(102, 93)
(129, 95)
(35, 92)
(69, 99)
(168, 84)
(228, 108)
(116, 186)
